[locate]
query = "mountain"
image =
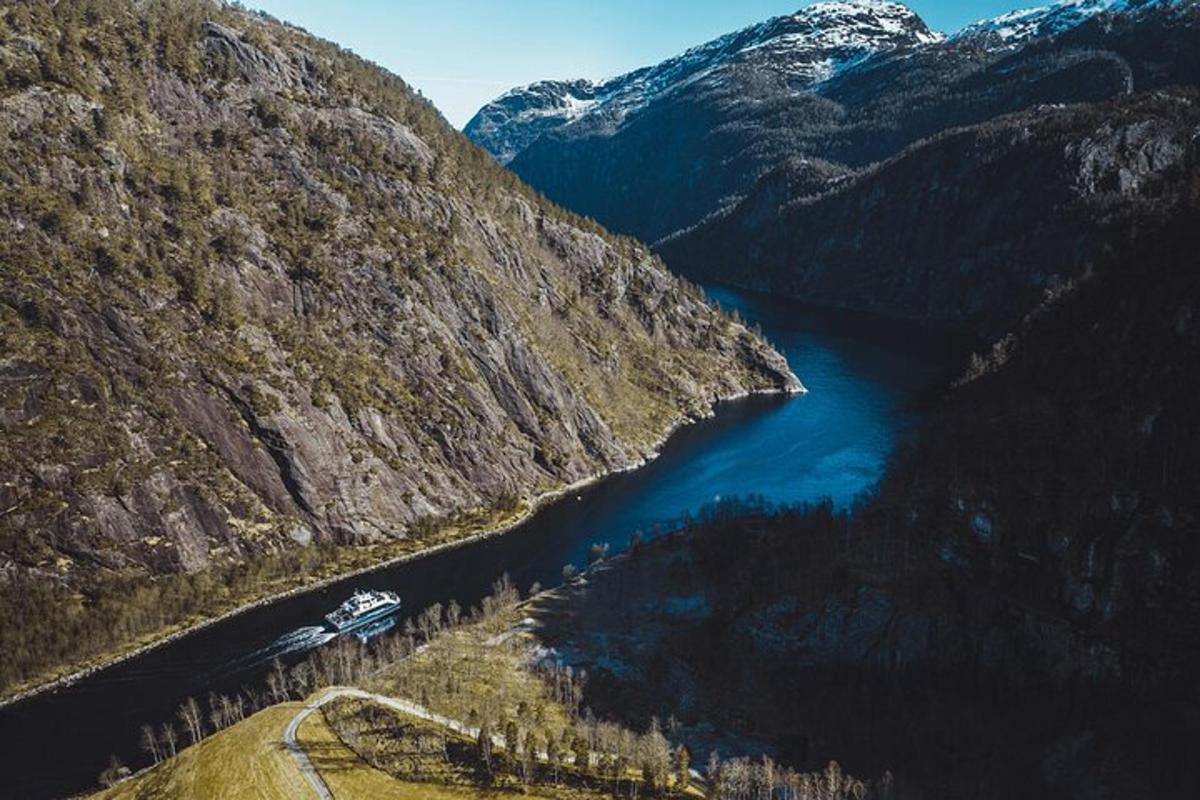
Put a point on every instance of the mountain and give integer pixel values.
(972, 228)
(566, 137)
(804, 49)
(1017, 27)
(652, 161)
(261, 303)
(973, 224)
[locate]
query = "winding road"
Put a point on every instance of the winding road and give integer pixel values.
(333, 693)
(405, 707)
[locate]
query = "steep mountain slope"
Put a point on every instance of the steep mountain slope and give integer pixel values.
(805, 48)
(700, 144)
(971, 227)
(257, 295)
(1016, 613)
(654, 150)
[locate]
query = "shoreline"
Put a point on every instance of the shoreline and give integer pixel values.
(536, 504)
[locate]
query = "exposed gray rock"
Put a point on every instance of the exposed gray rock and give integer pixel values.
(289, 305)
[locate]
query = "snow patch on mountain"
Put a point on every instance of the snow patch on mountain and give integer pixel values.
(1017, 27)
(802, 51)
(804, 48)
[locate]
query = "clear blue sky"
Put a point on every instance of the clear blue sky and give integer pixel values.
(462, 53)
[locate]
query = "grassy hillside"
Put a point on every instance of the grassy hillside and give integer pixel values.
(245, 761)
(410, 716)
(248, 762)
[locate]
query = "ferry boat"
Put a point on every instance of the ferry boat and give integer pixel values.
(367, 612)
(369, 632)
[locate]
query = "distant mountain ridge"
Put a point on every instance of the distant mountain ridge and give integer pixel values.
(805, 47)
(1022, 25)
(658, 149)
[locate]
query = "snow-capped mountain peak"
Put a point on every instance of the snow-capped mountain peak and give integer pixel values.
(804, 48)
(1018, 27)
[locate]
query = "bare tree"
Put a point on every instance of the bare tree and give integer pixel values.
(300, 679)
(255, 698)
(713, 770)
(582, 755)
(149, 743)
(168, 738)
(512, 740)
(483, 743)
(189, 715)
(528, 756)
(277, 683)
(228, 707)
(887, 786)
(238, 707)
(453, 614)
(504, 593)
(834, 778)
(554, 754)
(216, 714)
(114, 772)
(429, 621)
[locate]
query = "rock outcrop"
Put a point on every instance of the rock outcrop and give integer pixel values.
(257, 295)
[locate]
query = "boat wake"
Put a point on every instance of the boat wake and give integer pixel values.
(300, 640)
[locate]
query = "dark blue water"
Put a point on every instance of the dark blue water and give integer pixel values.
(862, 374)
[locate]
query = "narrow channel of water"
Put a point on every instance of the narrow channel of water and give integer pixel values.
(862, 373)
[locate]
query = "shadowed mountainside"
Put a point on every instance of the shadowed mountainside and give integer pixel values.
(659, 149)
(972, 227)
(1012, 614)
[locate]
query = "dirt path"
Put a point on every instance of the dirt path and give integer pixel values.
(403, 706)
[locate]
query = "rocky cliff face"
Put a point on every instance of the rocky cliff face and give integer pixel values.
(257, 295)
(651, 157)
(972, 227)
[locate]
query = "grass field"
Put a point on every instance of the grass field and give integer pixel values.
(244, 762)
(349, 777)
(474, 672)
(248, 762)
(475, 668)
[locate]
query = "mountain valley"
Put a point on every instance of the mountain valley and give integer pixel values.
(273, 333)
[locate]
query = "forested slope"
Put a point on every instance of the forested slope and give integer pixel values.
(261, 302)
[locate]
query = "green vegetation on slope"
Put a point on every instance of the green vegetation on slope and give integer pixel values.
(258, 297)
